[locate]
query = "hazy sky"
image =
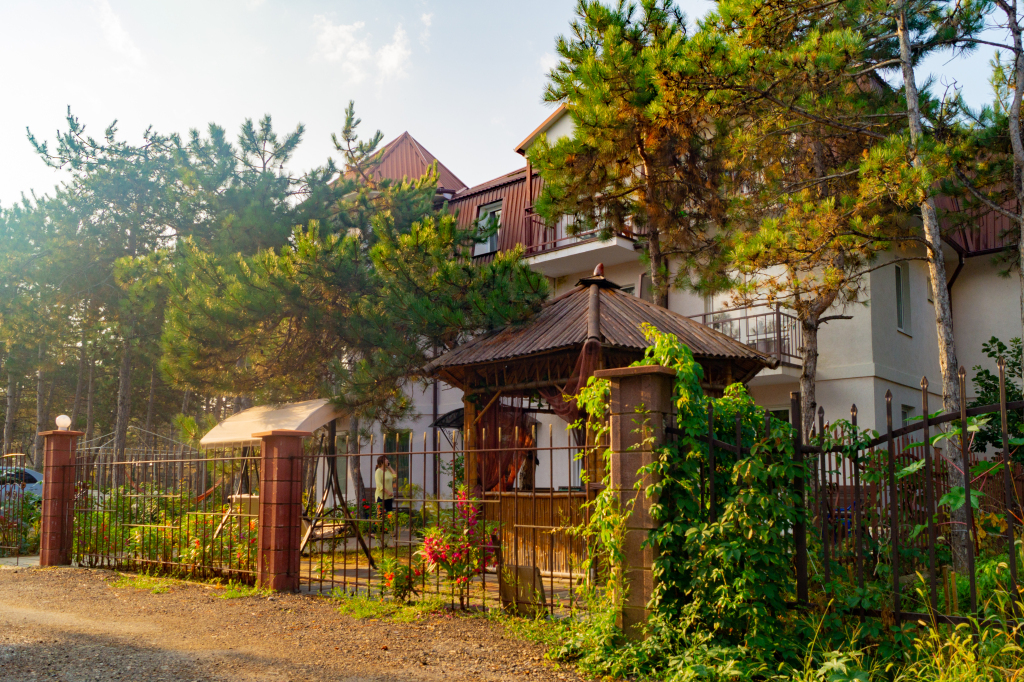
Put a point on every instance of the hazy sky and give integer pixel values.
(464, 78)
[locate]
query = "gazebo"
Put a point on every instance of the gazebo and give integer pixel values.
(593, 326)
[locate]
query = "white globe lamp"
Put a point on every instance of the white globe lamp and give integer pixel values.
(63, 422)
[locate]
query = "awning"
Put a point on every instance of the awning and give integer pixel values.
(237, 429)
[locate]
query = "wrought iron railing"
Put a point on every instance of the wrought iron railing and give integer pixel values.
(543, 237)
(773, 332)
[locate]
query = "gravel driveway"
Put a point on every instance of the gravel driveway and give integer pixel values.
(75, 625)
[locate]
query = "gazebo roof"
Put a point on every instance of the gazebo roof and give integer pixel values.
(562, 324)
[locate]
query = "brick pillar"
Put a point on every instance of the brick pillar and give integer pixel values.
(641, 407)
(58, 497)
(280, 511)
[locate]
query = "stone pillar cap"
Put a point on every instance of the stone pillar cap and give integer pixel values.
(634, 371)
(59, 432)
(282, 432)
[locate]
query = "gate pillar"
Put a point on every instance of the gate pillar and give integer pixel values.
(280, 512)
(57, 521)
(641, 407)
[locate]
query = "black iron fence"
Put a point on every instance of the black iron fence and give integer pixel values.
(167, 508)
(20, 506)
(504, 539)
(771, 331)
(884, 512)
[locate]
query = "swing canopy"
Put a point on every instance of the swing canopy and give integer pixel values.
(237, 430)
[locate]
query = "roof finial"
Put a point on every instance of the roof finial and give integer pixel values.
(599, 270)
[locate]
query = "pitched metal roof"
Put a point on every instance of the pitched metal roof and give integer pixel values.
(562, 323)
(404, 157)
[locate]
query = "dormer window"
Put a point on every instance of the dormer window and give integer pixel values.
(488, 217)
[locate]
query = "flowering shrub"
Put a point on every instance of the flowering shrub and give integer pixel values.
(460, 543)
(399, 580)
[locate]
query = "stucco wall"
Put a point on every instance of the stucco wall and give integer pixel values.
(984, 305)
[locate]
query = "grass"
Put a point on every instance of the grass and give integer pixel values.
(236, 590)
(163, 584)
(144, 581)
(364, 608)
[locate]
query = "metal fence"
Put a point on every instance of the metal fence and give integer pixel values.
(167, 508)
(877, 502)
(771, 331)
(510, 544)
(20, 503)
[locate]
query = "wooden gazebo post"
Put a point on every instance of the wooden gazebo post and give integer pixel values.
(469, 443)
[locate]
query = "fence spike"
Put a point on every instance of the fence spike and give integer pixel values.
(1007, 483)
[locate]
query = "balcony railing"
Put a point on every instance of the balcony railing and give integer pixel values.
(543, 237)
(772, 332)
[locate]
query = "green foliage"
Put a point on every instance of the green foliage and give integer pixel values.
(398, 580)
(19, 523)
(140, 525)
(644, 157)
(986, 387)
(356, 304)
(726, 578)
(361, 607)
(239, 590)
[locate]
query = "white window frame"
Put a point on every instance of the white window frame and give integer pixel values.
(485, 213)
(906, 414)
(903, 307)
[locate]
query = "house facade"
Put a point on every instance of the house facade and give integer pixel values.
(889, 343)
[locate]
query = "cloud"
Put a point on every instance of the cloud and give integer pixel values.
(344, 44)
(115, 35)
(547, 62)
(392, 58)
(350, 46)
(427, 20)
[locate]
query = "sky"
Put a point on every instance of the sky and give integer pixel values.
(465, 78)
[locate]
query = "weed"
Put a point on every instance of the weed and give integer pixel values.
(237, 590)
(144, 581)
(361, 607)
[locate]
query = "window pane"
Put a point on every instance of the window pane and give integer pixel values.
(899, 297)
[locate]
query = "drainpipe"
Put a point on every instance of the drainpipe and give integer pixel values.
(956, 273)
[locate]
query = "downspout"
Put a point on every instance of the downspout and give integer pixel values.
(956, 273)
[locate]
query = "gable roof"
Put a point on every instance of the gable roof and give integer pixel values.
(562, 324)
(542, 128)
(404, 157)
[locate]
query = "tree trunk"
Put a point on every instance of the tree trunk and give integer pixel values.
(354, 468)
(124, 398)
(149, 406)
(659, 286)
(943, 311)
(184, 401)
(75, 406)
(12, 411)
(48, 413)
(88, 403)
(37, 449)
(1016, 140)
(808, 373)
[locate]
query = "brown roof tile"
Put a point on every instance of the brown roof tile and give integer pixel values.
(562, 323)
(404, 157)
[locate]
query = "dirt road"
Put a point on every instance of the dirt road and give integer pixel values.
(76, 625)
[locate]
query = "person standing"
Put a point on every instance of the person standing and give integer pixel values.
(384, 487)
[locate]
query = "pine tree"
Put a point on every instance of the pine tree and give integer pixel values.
(644, 155)
(804, 83)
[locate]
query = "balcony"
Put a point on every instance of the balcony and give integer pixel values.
(772, 332)
(554, 251)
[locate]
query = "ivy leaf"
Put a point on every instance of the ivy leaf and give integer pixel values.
(982, 468)
(912, 468)
(955, 498)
